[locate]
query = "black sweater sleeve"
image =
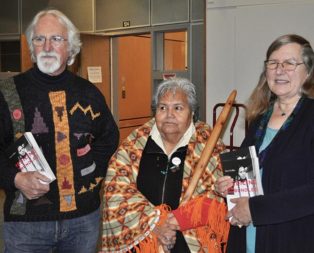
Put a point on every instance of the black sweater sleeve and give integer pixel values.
(283, 206)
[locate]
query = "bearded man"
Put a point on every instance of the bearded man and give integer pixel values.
(72, 124)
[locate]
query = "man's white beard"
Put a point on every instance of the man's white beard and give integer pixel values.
(48, 65)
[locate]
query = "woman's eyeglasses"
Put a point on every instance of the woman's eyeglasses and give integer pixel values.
(285, 65)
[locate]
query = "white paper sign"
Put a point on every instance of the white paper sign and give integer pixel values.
(94, 74)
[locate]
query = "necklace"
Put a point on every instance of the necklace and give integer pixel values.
(283, 112)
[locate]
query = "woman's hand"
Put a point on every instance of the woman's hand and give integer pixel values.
(166, 233)
(173, 221)
(240, 214)
(222, 185)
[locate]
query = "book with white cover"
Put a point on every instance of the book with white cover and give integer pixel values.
(243, 166)
(26, 155)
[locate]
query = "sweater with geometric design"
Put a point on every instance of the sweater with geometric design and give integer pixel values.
(75, 129)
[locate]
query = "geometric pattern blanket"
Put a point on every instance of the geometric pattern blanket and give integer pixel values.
(129, 218)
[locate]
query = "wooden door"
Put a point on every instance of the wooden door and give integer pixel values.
(26, 62)
(134, 82)
(95, 52)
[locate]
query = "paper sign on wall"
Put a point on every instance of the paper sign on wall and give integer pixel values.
(94, 74)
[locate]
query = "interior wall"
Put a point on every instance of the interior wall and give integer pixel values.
(197, 68)
(96, 52)
(236, 48)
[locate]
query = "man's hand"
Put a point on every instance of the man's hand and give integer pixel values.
(32, 184)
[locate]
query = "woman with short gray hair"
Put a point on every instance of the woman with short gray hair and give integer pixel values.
(151, 169)
(173, 84)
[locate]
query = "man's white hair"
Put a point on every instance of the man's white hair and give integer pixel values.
(73, 33)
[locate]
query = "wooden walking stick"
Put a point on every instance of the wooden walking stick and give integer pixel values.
(209, 147)
(208, 150)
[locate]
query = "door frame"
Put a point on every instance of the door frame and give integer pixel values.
(156, 49)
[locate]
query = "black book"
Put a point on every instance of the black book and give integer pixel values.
(26, 155)
(243, 166)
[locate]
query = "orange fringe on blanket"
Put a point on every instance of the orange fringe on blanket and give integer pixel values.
(150, 243)
(215, 234)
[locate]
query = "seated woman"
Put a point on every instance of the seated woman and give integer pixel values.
(149, 174)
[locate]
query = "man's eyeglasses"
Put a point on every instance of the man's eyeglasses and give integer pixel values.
(55, 40)
(286, 65)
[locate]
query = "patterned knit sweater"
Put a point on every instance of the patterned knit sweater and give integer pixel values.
(72, 124)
